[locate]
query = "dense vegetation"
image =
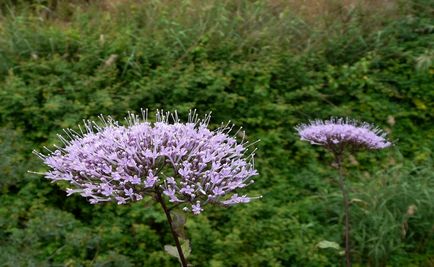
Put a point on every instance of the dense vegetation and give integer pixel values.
(265, 65)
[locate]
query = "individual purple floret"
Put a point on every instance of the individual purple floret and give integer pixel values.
(337, 133)
(187, 162)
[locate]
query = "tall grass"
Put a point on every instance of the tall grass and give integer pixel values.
(390, 210)
(252, 27)
(394, 207)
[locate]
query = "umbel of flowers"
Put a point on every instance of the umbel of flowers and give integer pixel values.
(184, 163)
(340, 135)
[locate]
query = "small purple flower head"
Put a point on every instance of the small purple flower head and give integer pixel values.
(337, 134)
(187, 162)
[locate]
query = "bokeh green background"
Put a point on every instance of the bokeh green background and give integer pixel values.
(265, 65)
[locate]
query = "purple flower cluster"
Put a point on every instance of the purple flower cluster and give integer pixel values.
(338, 133)
(187, 162)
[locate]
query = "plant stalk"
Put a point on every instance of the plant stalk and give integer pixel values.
(346, 203)
(182, 258)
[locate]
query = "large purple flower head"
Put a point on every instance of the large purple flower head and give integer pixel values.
(187, 162)
(337, 134)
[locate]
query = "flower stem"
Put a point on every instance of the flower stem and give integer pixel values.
(182, 258)
(346, 203)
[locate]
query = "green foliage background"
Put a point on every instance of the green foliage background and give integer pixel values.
(265, 65)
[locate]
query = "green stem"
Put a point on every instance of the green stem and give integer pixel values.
(346, 203)
(182, 258)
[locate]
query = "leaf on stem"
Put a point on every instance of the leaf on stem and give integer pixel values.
(178, 222)
(185, 246)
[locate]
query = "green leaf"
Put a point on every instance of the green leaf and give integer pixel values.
(186, 248)
(173, 251)
(328, 244)
(419, 104)
(179, 220)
